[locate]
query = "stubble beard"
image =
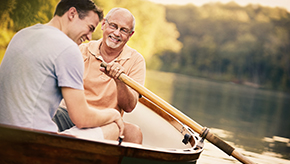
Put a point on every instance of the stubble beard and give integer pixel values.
(112, 44)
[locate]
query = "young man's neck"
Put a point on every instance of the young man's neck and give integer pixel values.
(56, 22)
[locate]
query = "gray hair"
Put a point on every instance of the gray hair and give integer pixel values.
(118, 8)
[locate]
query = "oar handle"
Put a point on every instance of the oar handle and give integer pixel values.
(204, 132)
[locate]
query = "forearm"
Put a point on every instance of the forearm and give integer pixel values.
(127, 98)
(96, 118)
(83, 116)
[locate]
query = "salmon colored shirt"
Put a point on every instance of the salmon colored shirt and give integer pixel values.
(100, 89)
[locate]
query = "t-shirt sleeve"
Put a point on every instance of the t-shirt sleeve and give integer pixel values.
(70, 68)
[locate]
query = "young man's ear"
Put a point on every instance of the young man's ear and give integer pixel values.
(72, 12)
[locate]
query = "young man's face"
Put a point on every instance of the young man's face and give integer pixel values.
(82, 29)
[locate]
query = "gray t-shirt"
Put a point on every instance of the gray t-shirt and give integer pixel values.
(38, 61)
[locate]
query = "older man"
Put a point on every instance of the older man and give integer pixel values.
(102, 87)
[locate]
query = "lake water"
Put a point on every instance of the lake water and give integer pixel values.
(255, 121)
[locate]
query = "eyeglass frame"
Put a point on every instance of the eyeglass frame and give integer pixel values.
(116, 27)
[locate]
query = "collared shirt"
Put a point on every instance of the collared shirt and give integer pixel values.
(100, 89)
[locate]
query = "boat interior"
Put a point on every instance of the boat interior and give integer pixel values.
(159, 128)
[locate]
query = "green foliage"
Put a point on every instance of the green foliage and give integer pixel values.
(24, 13)
(249, 45)
(17, 14)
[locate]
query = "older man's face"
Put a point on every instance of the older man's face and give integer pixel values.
(117, 29)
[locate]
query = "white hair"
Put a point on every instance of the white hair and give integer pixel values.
(118, 8)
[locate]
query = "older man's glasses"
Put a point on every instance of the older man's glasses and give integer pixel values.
(114, 26)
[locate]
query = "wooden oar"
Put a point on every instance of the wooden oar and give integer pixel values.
(203, 131)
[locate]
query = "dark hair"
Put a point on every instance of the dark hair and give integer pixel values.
(82, 7)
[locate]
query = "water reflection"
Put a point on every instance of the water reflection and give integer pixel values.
(256, 119)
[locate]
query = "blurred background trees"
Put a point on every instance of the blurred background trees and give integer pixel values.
(17, 14)
(247, 45)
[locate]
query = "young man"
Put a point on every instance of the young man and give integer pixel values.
(102, 87)
(43, 64)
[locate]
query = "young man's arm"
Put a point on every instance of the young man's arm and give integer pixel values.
(83, 116)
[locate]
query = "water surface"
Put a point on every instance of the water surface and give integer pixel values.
(255, 121)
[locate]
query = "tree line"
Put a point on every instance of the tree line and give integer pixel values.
(247, 45)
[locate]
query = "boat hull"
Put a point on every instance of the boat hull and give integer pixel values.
(22, 145)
